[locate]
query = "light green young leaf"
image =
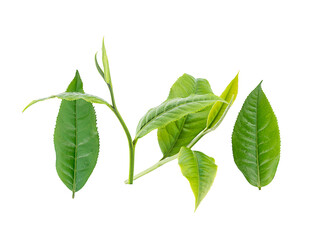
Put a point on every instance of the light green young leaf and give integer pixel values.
(219, 109)
(256, 140)
(98, 66)
(199, 169)
(105, 62)
(181, 132)
(72, 96)
(172, 110)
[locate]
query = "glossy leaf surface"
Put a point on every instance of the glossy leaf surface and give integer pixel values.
(256, 140)
(199, 169)
(219, 109)
(172, 110)
(76, 139)
(181, 132)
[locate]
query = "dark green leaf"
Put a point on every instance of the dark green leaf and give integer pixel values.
(181, 132)
(76, 139)
(199, 169)
(172, 110)
(256, 140)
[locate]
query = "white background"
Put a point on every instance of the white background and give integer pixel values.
(150, 44)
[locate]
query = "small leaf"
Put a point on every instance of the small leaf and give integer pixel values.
(98, 66)
(256, 140)
(76, 139)
(72, 96)
(199, 169)
(181, 132)
(172, 110)
(105, 62)
(219, 109)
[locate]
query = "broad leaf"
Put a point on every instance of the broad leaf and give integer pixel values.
(76, 139)
(199, 169)
(172, 110)
(181, 132)
(256, 140)
(219, 109)
(72, 96)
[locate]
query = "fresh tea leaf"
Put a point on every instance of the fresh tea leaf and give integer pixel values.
(76, 139)
(199, 169)
(72, 96)
(256, 140)
(172, 110)
(181, 132)
(105, 62)
(219, 109)
(98, 66)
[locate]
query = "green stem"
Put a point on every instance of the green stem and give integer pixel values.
(114, 109)
(130, 143)
(197, 138)
(167, 159)
(155, 166)
(126, 130)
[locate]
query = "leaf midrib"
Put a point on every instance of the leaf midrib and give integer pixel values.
(157, 116)
(257, 143)
(75, 152)
(177, 138)
(198, 171)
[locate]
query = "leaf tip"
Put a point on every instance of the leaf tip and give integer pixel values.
(77, 73)
(237, 76)
(28, 106)
(195, 209)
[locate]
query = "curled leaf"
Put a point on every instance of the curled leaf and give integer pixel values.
(219, 109)
(105, 62)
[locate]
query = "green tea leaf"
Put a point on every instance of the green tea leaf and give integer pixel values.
(219, 109)
(105, 62)
(256, 140)
(181, 132)
(172, 110)
(76, 139)
(72, 96)
(98, 66)
(199, 169)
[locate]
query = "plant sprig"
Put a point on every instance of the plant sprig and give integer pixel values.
(190, 112)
